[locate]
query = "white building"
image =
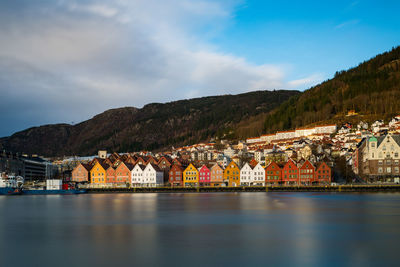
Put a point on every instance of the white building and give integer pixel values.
(137, 175)
(246, 175)
(153, 176)
(258, 175)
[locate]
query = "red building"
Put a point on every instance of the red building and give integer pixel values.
(273, 174)
(81, 173)
(165, 165)
(123, 173)
(204, 176)
(110, 178)
(307, 171)
(323, 174)
(290, 173)
(175, 175)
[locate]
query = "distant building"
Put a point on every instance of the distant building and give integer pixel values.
(377, 158)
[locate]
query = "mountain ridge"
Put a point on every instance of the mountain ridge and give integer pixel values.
(131, 129)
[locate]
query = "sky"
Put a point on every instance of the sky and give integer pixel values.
(64, 61)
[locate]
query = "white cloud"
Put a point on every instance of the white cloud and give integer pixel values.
(121, 53)
(306, 82)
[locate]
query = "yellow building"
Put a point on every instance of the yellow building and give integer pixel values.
(190, 176)
(232, 174)
(98, 173)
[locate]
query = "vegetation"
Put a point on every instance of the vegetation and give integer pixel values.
(154, 127)
(371, 89)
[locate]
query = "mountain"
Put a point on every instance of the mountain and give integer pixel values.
(372, 89)
(155, 126)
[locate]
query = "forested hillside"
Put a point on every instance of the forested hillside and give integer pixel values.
(372, 88)
(155, 126)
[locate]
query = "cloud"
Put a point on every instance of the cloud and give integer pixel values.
(65, 61)
(306, 82)
(347, 23)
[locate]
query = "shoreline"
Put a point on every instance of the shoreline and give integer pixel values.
(339, 188)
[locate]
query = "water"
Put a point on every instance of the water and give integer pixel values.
(236, 229)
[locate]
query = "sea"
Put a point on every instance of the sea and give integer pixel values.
(201, 229)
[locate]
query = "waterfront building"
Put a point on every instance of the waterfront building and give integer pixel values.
(258, 175)
(204, 176)
(217, 175)
(153, 176)
(81, 173)
(98, 172)
(377, 158)
(290, 173)
(164, 163)
(191, 176)
(273, 174)
(246, 175)
(176, 175)
(306, 171)
(110, 179)
(123, 173)
(232, 174)
(137, 175)
(323, 174)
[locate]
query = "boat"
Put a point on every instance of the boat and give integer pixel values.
(43, 191)
(53, 187)
(10, 184)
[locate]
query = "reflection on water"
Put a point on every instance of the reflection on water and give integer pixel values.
(200, 229)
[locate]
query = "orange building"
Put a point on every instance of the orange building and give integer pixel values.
(191, 176)
(232, 174)
(81, 173)
(98, 173)
(217, 175)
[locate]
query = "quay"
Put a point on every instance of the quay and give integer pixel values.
(327, 188)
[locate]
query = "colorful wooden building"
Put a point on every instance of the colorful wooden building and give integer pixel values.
(273, 174)
(217, 175)
(110, 175)
(323, 174)
(290, 173)
(307, 171)
(204, 176)
(123, 173)
(176, 175)
(232, 174)
(98, 173)
(191, 176)
(81, 173)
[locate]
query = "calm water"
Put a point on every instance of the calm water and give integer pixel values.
(200, 229)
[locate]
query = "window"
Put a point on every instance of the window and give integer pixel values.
(380, 162)
(388, 169)
(396, 154)
(388, 161)
(396, 169)
(380, 169)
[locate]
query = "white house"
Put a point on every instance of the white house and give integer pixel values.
(153, 176)
(137, 175)
(246, 174)
(258, 175)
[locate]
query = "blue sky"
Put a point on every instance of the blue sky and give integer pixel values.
(66, 61)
